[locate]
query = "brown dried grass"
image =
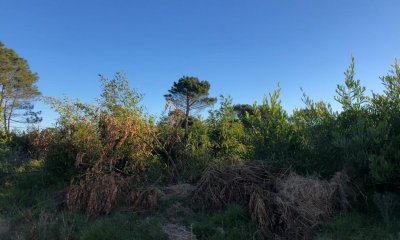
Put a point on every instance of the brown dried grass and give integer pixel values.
(222, 185)
(284, 206)
(96, 195)
(145, 199)
(315, 196)
(344, 191)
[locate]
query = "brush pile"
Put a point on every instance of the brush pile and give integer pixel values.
(99, 194)
(285, 206)
(145, 199)
(96, 195)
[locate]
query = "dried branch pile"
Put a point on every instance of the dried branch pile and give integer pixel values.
(284, 206)
(221, 185)
(98, 195)
(145, 199)
(95, 196)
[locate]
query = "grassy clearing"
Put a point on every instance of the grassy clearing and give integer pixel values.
(233, 223)
(356, 226)
(73, 226)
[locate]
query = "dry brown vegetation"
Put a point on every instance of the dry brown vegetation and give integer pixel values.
(95, 196)
(284, 205)
(145, 199)
(104, 166)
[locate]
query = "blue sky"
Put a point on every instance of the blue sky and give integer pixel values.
(243, 48)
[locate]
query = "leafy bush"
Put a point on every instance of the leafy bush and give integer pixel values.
(227, 134)
(59, 162)
(272, 135)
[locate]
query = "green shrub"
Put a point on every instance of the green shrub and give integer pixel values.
(6, 170)
(233, 223)
(59, 162)
(227, 134)
(272, 136)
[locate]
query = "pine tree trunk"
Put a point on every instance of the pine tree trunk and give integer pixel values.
(187, 115)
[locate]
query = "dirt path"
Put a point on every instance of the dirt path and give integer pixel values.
(173, 229)
(178, 232)
(4, 227)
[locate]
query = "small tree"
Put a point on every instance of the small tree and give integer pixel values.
(272, 135)
(189, 94)
(117, 99)
(351, 94)
(384, 163)
(227, 133)
(17, 89)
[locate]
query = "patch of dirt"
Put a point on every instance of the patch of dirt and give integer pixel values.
(182, 190)
(177, 212)
(4, 227)
(178, 232)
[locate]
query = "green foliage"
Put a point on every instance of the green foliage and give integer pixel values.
(351, 94)
(198, 139)
(127, 226)
(117, 98)
(17, 89)
(51, 225)
(70, 111)
(6, 170)
(356, 226)
(59, 162)
(233, 223)
(193, 155)
(385, 111)
(241, 110)
(189, 94)
(387, 204)
(315, 126)
(227, 134)
(114, 133)
(272, 135)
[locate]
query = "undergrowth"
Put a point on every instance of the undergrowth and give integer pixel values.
(357, 226)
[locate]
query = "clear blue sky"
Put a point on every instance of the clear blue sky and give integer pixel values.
(243, 48)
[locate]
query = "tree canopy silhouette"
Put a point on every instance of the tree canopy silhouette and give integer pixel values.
(189, 94)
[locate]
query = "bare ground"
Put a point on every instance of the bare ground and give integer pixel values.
(178, 232)
(4, 227)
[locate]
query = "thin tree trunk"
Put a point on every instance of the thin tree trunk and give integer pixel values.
(10, 115)
(5, 116)
(2, 108)
(2, 97)
(187, 114)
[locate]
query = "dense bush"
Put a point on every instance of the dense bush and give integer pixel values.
(59, 163)
(227, 134)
